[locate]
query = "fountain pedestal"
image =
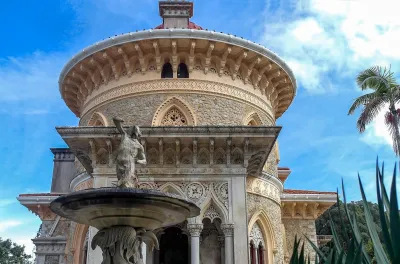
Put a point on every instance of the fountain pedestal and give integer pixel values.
(125, 218)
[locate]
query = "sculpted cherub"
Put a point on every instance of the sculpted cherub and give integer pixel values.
(129, 152)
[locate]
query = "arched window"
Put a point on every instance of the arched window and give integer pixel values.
(183, 71)
(260, 253)
(167, 71)
(174, 117)
(252, 253)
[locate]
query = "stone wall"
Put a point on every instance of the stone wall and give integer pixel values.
(255, 204)
(208, 109)
(299, 227)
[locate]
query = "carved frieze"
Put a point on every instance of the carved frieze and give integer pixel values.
(164, 85)
(198, 192)
(52, 260)
(262, 187)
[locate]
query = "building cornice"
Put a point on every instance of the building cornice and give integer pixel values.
(176, 33)
(115, 57)
(324, 198)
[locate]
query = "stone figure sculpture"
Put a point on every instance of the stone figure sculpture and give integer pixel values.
(123, 244)
(129, 152)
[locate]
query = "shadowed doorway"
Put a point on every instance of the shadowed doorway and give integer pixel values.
(174, 247)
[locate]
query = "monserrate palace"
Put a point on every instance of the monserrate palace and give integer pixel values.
(206, 103)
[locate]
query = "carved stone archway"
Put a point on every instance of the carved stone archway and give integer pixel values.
(174, 112)
(97, 119)
(78, 243)
(262, 220)
(252, 119)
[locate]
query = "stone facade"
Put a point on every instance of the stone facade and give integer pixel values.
(207, 109)
(299, 228)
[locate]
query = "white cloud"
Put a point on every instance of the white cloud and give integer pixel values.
(6, 224)
(31, 77)
(327, 41)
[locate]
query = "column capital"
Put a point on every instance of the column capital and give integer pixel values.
(194, 229)
(227, 229)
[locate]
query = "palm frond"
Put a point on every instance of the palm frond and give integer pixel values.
(370, 111)
(364, 100)
(376, 78)
(391, 127)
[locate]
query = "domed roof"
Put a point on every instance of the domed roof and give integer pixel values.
(190, 26)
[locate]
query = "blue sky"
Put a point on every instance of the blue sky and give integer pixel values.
(326, 42)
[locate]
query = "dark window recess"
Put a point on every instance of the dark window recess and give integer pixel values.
(183, 71)
(167, 71)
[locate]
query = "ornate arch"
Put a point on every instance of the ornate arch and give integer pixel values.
(152, 156)
(263, 221)
(213, 209)
(98, 119)
(203, 157)
(237, 156)
(177, 105)
(78, 243)
(252, 119)
(172, 188)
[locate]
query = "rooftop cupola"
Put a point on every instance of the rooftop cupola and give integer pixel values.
(176, 14)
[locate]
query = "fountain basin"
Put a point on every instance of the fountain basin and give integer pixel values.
(107, 207)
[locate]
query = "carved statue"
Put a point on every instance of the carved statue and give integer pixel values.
(129, 152)
(123, 244)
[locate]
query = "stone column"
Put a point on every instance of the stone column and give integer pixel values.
(228, 232)
(144, 251)
(221, 240)
(94, 256)
(195, 231)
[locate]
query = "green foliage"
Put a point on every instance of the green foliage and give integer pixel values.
(11, 253)
(323, 226)
(353, 247)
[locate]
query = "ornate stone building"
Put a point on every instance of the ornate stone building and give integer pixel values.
(206, 103)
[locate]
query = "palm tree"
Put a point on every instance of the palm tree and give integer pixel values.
(385, 93)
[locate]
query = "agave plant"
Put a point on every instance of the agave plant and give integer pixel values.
(352, 249)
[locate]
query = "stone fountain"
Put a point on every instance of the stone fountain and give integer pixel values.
(125, 215)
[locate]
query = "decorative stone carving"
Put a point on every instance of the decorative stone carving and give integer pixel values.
(256, 235)
(212, 213)
(174, 117)
(227, 229)
(195, 191)
(263, 187)
(221, 190)
(194, 229)
(123, 244)
(129, 151)
(180, 85)
(52, 260)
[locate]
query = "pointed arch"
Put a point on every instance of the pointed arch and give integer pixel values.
(252, 119)
(263, 221)
(203, 156)
(97, 119)
(169, 157)
(172, 188)
(186, 156)
(213, 202)
(152, 156)
(173, 111)
(237, 156)
(219, 157)
(78, 243)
